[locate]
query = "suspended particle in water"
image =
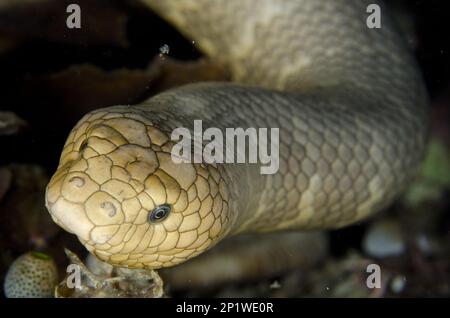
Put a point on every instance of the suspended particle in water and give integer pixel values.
(164, 50)
(275, 285)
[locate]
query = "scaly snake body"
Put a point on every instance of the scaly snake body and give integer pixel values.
(348, 100)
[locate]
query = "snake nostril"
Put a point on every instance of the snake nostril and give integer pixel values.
(83, 146)
(77, 181)
(109, 207)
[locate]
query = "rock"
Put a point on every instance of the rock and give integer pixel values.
(398, 284)
(106, 281)
(384, 239)
(98, 267)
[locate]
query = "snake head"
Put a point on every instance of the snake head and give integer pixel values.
(119, 191)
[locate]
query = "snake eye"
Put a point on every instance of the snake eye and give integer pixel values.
(159, 213)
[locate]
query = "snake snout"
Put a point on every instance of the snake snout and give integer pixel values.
(65, 211)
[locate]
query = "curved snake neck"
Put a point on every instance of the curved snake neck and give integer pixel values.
(349, 103)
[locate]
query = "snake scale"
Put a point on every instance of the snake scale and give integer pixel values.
(349, 102)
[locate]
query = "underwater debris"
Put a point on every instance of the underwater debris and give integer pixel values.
(10, 123)
(164, 50)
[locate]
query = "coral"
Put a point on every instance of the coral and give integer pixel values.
(32, 275)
